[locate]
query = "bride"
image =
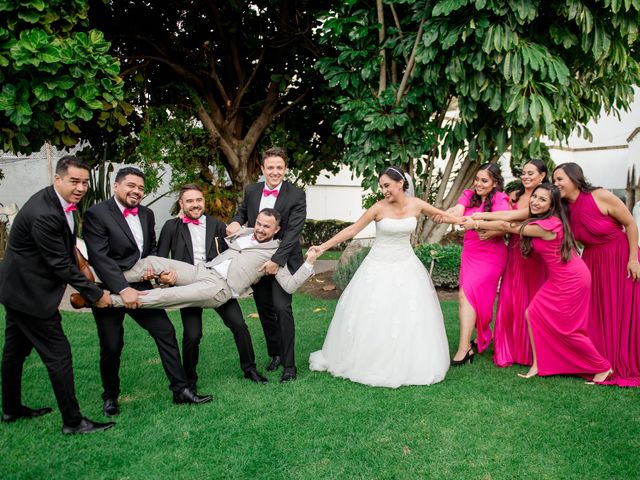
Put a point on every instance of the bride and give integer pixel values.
(387, 329)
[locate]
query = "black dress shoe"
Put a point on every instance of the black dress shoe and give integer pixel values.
(26, 412)
(288, 374)
(86, 426)
(274, 363)
(254, 376)
(186, 395)
(110, 407)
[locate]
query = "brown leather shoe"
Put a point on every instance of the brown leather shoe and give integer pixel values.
(78, 301)
(84, 267)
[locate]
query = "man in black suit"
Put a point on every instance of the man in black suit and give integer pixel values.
(118, 232)
(272, 302)
(198, 238)
(39, 263)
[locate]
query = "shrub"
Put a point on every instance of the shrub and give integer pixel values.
(343, 274)
(316, 232)
(446, 263)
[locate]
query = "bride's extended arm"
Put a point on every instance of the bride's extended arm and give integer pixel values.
(506, 215)
(453, 215)
(350, 231)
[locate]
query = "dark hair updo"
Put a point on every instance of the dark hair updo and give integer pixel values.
(397, 174)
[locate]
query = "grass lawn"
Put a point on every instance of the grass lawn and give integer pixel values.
(482, 422)
(328, 255)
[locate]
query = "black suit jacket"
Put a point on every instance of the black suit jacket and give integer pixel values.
(40, 259)
(292, 205)
(111, 245)
(175, 240)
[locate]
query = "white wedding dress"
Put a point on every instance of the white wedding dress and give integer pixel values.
(387, 329)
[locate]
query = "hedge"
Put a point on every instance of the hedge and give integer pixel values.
(445, 258)
(316, 232)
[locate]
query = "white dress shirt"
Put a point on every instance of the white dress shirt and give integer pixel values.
(68, 215)
(134, 224)
(269, 201)
(199, 240)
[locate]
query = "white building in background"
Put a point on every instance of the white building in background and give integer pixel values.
(607, 161)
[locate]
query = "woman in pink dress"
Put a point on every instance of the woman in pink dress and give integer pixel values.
(604, 225)
(557, 315)
(521, 280)
(484, 256)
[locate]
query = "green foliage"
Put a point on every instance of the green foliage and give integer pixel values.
(445, 261)
(515, 71)
(343, 274)
(238, 76)
(57, 75)
(316, 232)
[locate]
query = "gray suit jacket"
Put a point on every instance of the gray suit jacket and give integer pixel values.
(245, 262)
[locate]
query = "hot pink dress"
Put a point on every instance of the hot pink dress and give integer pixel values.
(481, 267)
(522, 278)
(558, 312)
(614, 316)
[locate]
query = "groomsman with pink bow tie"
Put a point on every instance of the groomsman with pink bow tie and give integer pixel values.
(39, 263)
(118, 232)
(197, 238)
(272, 302)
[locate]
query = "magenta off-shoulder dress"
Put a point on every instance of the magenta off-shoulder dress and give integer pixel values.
(522, 278)
(614, 316)
(481, 267)
(558, 312)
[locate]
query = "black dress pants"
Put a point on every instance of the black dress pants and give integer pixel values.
(24, 333)
(276, 317)
(232, 317)
(109, 322)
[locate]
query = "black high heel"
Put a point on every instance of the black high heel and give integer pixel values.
(467, 358)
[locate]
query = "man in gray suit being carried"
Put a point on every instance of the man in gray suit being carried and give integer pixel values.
(227, 276)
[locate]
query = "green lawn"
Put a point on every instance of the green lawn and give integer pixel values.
(481, 422)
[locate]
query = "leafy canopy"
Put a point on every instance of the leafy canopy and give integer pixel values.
(470, 79)
(57, 76)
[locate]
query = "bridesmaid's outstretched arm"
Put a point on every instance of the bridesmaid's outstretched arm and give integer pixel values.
(513, 227)
(506, 215)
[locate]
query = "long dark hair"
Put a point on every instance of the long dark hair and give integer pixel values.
(541, 167)
(494, 173)
(556, 209)
(576, 175)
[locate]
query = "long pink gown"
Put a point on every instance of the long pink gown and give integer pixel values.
(614, 316)
(522, 278)
(558, 312)
(481, 267)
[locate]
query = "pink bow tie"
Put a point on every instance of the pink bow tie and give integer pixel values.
(186, 219)
(70, 208)
(130, 211)
(266, 192)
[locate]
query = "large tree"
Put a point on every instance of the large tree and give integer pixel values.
(467, 80)
(57, 77)
(242, 70)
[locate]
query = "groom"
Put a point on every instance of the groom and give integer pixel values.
(225, 277)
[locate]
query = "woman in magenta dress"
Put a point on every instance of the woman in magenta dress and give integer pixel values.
(603, 224)
(521, 280)
(557, 315)
(484, 256)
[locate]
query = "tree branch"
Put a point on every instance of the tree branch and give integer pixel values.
(383, 54)
(410, 64)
